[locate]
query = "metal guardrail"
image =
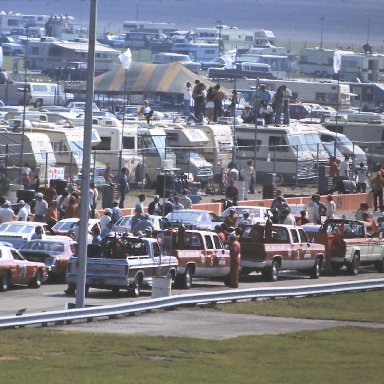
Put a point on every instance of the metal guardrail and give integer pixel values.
(113, 311)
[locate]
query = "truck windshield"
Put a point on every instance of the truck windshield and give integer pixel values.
(298, 143)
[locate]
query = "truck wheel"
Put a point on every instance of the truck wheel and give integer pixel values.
(353, 266)
(136, 287)
(5, 281)
(37, 279)
(187, 278)
(316, 269)
(380, 266)
(272, 273)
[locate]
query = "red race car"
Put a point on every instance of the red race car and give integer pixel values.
(14, 269)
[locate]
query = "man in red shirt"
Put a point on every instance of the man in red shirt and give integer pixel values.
(234, 252)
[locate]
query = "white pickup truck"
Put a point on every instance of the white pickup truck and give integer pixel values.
(124, 262)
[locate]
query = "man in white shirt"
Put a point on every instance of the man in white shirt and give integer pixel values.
(6, 213)
(313, 210)
(22, 215)
(187, 99)
(287, 95)
(362, 178)
(344, 168)
(185, 200)
(106, 218)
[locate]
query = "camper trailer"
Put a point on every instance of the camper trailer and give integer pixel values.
(37, 151)
(318, 62)
(198, 51)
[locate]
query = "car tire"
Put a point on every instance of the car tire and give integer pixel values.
(5, 281)
(37, 279)
(273, 272)
(136, 287)
(316, 269)
(353, 266)
(187, 278)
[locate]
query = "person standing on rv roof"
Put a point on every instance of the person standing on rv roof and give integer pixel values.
(277, 104)
(210, 105)
(198, 96)
(218, 100)
(187, 98)
(264, 94)
(233, 105)
(286, 98)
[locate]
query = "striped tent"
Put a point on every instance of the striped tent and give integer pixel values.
(143, 78)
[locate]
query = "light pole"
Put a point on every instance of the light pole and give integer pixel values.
(24, 107)
(321, 31)
(256, 128)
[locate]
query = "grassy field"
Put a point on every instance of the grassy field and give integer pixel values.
(366, 306)
(338, 355)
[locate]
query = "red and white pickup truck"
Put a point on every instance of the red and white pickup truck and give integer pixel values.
(348, 243)
(199, 253)
(269, 248)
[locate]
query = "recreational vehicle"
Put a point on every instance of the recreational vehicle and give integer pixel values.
(292, 152)
(317, 61)
(198, 51)
(365, 68)
(67, 143)
(50, 55)
(243, 70)
(37, 151)
(367, 135)
(321, 92)
(185, 60)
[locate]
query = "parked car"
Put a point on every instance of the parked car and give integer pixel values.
(19, 232)
(54, 252)
(15, 269)
(64, 227)
(192, 219)
(258, 214)
(123, 225)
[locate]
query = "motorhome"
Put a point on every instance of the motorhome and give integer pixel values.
(219, 149)
(198, 51)
(67, 143)
(293, 152)
(365, 68)
(368, 96)
(37, 151)
(243, 70)
(367, 135)
(150, 144)
(317, 61)
(186, 143)
(148, 26)
(321, 92)
(36, 94)
(281, 65)
(50, 55)
(343, 144)
(185, 60)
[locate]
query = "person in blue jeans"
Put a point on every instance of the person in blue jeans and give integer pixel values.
(123, 185)
(287, 95)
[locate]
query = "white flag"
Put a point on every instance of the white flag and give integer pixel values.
(1, 56)
(126, 59)
(337, 60)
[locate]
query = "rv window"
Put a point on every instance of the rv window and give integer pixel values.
(128, 142)
(104, 144)
(278, 143)
(320, 96)
(246, 144)
(54, 51)
(327, 139)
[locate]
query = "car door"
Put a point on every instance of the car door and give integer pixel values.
(294, 259)
(20, 272)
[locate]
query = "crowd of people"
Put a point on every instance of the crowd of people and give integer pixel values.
(201, 103)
